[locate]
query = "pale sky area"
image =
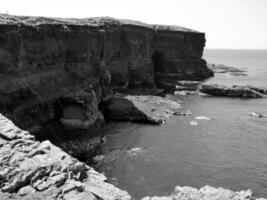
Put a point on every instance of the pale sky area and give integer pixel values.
(228, 24)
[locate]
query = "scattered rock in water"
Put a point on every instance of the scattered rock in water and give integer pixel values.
(174, 97)
(256, 114)
(203, 118)
(186, 93)
(220, 68)
(135, 151)
(194, 123)
(188, 85)
(99, 158)
(151, 109)
(233, 91)
(183, 113)
(238, 74)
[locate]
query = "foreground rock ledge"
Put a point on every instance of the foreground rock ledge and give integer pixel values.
(39, 170)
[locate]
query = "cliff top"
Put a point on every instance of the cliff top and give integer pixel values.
(6, 19)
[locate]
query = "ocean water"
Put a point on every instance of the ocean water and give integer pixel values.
(228, 151)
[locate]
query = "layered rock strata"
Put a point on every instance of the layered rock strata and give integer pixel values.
(50, 68)
(220, 68)
(39, 170)
(233, 91)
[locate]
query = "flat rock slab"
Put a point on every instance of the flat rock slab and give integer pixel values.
(39, 170)
(233, 91)
(143, 108)
(220, 68)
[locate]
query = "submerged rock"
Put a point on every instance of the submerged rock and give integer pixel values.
(205, 193)
(233, 91)
(151, 109)
(257, 114)
(186, 93)
(238, 74)
(203, 118)
(183, 113)
(194, 123)
(135, 151)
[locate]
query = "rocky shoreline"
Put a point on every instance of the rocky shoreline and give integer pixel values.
(40, 170)
(61, 79)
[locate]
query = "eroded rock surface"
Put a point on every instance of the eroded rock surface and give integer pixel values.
(233, 91)
(152, 109)
(40, 170)
(205, 193)
(44, 61)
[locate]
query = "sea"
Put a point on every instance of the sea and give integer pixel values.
(228, 151)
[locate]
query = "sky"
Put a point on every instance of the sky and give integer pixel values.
(228, 24)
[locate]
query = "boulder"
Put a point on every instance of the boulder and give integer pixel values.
(142, 108)
(233, 91)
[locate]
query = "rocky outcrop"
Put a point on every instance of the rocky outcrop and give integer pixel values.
(45, 61)
(40, 170)
(233, 91)
(151, 109)
(220, 68)
(205, 193)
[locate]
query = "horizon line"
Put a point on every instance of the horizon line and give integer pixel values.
(245, 49)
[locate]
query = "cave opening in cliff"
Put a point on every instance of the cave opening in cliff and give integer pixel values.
(65, 131)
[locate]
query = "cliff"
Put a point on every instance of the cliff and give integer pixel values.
(54, 72)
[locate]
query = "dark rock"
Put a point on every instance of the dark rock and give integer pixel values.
(220, 68)
(233, 91)
(183, 113)
(238, 74)
(152, 109)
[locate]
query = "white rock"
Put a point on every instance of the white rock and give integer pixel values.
(194, 123)
(203, 118)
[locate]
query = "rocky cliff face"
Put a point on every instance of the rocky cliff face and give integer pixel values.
(54, 72)
(40, 170)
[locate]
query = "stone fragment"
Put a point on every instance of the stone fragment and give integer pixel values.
(26, 190)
